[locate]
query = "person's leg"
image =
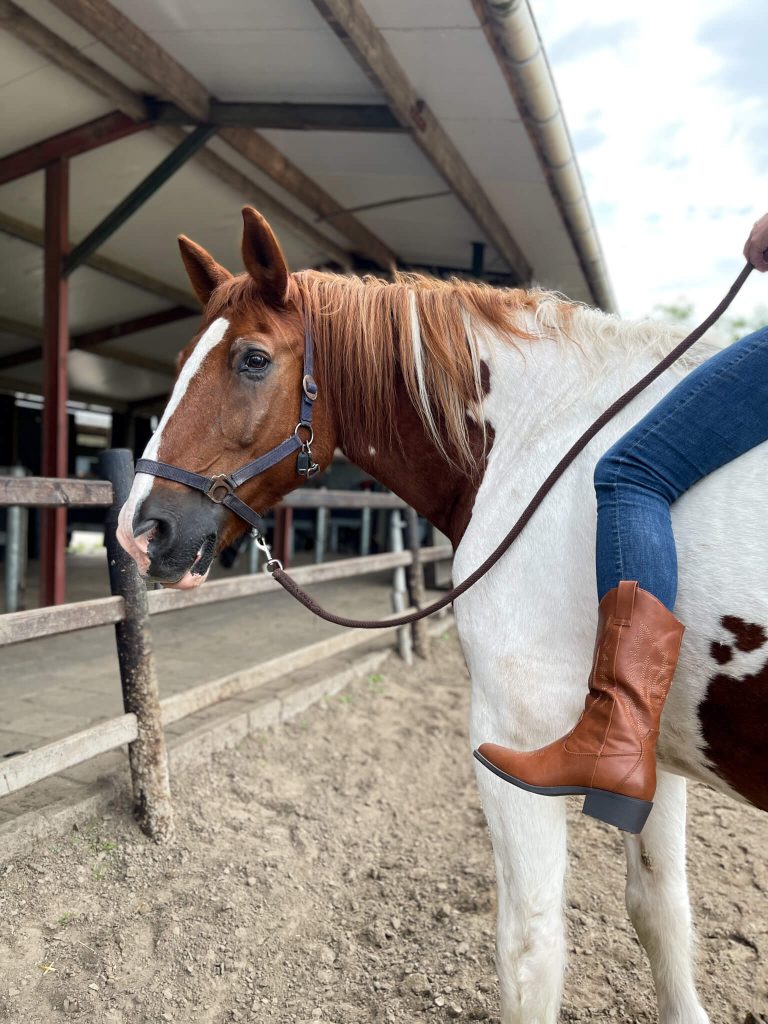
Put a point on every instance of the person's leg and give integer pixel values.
(717, 412)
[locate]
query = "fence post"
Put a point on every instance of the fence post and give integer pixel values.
(147, 754)
(399, 589)
(16, 526)
(416, 585)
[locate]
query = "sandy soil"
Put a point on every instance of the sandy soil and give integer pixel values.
(339, 870)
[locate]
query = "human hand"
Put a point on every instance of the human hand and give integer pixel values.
(756, 246)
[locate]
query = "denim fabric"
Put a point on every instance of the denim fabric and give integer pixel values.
(718, 411)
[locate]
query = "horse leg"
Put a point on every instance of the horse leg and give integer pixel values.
(528, 835)
(657, 901)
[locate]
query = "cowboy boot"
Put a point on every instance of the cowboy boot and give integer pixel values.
(610, 754)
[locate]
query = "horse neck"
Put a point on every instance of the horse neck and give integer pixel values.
(410, 465)
(540, 395)
(545, 392)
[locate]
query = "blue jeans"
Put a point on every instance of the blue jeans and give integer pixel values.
(718, 411)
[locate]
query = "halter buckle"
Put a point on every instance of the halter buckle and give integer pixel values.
(220, 487)
(309, 387)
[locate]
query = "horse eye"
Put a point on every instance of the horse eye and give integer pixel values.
(255, 361)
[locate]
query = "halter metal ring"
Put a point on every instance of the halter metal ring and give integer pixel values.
(220, 487)
(306, 426)
(272, 565)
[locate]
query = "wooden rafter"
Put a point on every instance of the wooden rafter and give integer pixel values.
(354, 27)
(36, 236)
(94, 339)
(72, 142)
(36, 35)
(133, 46)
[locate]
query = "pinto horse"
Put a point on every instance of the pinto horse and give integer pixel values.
(460, 398)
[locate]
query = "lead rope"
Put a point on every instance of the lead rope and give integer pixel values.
(285, 581)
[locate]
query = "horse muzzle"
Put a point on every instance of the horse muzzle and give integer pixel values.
(172, 536)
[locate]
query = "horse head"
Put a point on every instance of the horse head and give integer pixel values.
(236, 396)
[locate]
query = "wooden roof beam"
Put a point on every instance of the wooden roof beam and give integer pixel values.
(89, 340)
(40, 38)
(72, 142)
(119, 355)
(354, 27)
(119, 271)
(133, 46)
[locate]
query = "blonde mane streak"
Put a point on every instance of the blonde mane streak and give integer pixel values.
(370, 332)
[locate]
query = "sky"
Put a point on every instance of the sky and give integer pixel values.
(667, 105)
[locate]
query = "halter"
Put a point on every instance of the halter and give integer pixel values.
(221, 488)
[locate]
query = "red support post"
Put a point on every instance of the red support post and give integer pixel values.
(55, 349)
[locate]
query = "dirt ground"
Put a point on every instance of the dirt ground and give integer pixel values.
(339, 870)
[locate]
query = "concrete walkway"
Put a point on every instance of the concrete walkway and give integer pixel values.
(59, 685)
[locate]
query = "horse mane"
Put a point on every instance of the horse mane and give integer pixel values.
(369, 333)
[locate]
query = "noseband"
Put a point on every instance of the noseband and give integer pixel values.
(221, 488)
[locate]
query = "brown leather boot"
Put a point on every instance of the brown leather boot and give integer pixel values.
(610, 754)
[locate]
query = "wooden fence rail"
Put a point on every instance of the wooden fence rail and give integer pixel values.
(142, 724)
(49, 492)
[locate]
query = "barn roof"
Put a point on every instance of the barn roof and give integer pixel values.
(326, 112)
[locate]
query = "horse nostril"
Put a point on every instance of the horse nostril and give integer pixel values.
(159, 531)
(144, 527)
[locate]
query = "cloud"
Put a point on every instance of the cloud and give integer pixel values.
(740, 38)
(587, 38)
(674, 159)
(588, 137)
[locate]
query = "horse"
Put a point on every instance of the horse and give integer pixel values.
(460, 398)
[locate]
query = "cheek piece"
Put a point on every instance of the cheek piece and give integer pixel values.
(221, 488)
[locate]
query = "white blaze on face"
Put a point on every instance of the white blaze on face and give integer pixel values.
(142, 483)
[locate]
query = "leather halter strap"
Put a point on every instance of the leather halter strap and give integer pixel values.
(220, 489)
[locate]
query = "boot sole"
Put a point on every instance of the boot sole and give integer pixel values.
(624, 812)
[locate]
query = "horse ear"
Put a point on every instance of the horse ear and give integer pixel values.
(263, 258)
(204, 272)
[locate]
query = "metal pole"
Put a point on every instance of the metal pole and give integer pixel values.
(365, 532)
(254, 554)
(16, 521)
(147, 754)
(321, 532)
(416, 585)
(53, 539)
(399, 589)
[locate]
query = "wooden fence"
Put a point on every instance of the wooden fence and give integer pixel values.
(129, 608)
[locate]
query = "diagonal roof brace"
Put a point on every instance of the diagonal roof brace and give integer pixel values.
(132, 202)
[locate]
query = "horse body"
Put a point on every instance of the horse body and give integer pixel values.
(527, 630)
(412, 374)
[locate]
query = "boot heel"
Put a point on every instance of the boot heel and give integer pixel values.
(625, 812)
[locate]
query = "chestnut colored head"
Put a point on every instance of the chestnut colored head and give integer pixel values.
(236, 396)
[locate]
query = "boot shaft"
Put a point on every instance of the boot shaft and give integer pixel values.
(636, 650)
